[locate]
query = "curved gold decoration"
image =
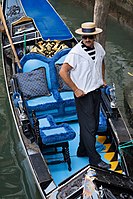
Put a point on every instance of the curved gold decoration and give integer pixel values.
(48, 48)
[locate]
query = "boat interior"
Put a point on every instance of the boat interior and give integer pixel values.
(47, 112)
(49, 104)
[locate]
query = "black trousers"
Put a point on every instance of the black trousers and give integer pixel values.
(88, 117)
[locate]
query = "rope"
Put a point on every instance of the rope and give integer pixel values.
(126, 144)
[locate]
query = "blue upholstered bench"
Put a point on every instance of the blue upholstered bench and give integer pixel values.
(36, 92)
(57, 104)
(54, 136)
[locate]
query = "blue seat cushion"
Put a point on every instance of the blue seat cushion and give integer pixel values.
(67, 96)
(57, 134)
(46, 121)
(33, 84)
(42, 103)
(68, 100)
(54, 106)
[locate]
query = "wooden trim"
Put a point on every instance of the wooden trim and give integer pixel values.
(21, 20)
(9, 37)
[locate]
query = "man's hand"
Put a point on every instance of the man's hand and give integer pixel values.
(104, 83)
(79, 93)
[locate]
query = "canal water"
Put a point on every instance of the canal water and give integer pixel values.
(119, 61)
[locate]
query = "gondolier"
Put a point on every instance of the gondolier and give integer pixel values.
(85, 64)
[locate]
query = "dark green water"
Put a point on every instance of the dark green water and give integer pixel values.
(119, 60)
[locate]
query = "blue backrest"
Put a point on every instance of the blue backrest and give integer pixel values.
(59, 58)
(34, 61)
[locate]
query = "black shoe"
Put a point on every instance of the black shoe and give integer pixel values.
(104, 165)
(81, 154)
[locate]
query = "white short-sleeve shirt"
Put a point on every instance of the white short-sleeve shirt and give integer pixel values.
(86, 73)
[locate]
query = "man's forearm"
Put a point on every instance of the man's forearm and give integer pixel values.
(103, 74)
(64, 73)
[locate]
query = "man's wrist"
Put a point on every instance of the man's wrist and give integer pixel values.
(76, 90)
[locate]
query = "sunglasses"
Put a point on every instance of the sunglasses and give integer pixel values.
(88, 36)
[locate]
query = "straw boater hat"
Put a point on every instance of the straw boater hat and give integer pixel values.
(88, 28)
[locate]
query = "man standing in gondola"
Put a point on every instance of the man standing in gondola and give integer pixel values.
(84, 70)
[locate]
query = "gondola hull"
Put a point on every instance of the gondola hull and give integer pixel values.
(33, 49)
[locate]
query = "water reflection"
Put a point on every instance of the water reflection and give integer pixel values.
(11, 179)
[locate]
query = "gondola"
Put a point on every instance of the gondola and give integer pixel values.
(35, 42)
